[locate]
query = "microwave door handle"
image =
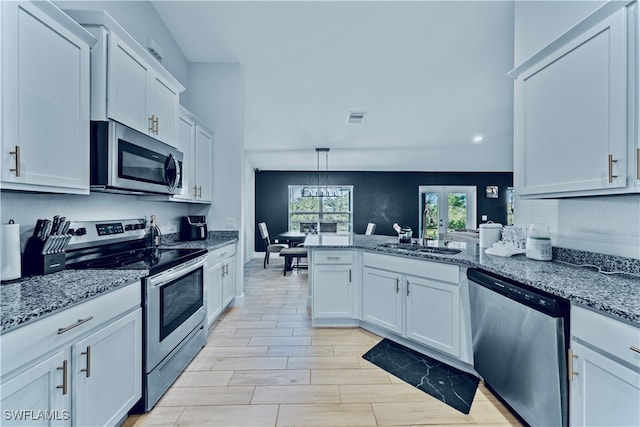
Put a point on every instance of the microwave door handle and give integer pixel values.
(171, 161)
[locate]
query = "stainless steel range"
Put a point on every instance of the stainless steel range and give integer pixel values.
(172, 294)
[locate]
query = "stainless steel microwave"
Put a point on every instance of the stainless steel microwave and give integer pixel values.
(124, 160)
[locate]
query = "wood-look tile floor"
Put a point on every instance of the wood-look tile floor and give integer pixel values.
(264, 365)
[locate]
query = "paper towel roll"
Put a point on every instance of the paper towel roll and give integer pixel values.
(10, 250)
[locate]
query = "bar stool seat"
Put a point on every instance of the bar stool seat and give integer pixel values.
(289, 254)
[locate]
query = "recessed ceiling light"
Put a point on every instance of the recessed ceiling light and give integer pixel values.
(477, 139)
(355, 116)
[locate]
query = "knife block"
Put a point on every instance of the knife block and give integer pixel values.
(35, 263)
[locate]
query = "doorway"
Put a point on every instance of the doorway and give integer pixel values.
(444, 209)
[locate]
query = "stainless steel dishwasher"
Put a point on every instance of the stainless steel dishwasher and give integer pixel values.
(520, 346)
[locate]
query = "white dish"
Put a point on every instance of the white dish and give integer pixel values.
(504, 249)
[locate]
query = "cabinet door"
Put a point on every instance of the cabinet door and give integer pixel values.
(213, 291)
(45, 95)
(107, 372)
(36, 397)
(571, 115)
(204, 165)
(229, 281)
(433, 314)
(332, 291)
(382, 296)
(127, 87)
(163, 105)
(185, 141)
(602, 391)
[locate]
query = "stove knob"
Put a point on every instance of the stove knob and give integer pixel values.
(81, 231)
(128, 227)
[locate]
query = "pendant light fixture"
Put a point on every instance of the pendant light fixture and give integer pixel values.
(322, 190)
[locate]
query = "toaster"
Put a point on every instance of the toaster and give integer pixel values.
(193, 227)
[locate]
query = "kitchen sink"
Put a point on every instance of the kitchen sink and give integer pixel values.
(419, 248)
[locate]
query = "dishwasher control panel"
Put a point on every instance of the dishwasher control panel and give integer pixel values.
(537, 299)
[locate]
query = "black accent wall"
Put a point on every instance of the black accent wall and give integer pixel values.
(380, 197)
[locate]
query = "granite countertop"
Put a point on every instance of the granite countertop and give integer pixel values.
(615, 295)
(33, 298)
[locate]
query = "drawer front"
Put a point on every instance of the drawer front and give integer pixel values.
(332, 257)
(416, 267)
(612, 336)
(220, 254)
(38, 338)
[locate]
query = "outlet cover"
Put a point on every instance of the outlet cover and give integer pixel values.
(230, 222)
(484, 218)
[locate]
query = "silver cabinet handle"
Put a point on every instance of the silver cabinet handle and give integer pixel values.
(407, 288)
(638, 165)
(87, 353)
(200, 191)
(333, 258)
(75, 325)
(64, 385)
(151, 130)
(611, 162)
(634, 348)
(195, 191)
(16, 153)
(349, 275)
(397, 285)
(157, 124)
(570, 357)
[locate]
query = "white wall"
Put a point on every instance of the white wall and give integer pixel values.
(216, 96)
(610, 224)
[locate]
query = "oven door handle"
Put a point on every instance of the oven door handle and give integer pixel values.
(174, 273)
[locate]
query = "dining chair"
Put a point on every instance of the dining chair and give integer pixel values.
(371, 228)
(328, 227)
(269, 247)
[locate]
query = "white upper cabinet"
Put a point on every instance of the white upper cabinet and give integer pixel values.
(45, 96)
(575, 111)
(128, 84)
(195, 140)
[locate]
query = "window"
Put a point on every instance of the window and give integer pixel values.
(510, 206)
(336, 208)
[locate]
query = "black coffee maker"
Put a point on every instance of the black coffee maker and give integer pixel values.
(193, 227)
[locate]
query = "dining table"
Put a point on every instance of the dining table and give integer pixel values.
(292, 238)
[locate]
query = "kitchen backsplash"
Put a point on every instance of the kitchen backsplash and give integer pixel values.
(606, 263)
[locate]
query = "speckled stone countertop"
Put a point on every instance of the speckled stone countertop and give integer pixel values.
(615, 295)
(33, 298)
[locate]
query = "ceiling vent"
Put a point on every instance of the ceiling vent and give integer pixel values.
(355, 117)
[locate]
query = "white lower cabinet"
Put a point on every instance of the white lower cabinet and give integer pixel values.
(79, 367)
(433, 314)
(605, 374)
(105, 377)
(417, 299)
(382, 299)
(220, 281)
(332, 289)
(332, 297)
(40, 394)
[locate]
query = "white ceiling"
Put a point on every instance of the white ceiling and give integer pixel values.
(430, 75)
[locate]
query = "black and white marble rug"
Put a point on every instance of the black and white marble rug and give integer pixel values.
(448, 384)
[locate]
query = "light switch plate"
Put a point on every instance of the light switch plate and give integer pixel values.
(484, 217)
(230, 222)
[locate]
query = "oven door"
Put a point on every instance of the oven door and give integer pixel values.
(174, 307)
